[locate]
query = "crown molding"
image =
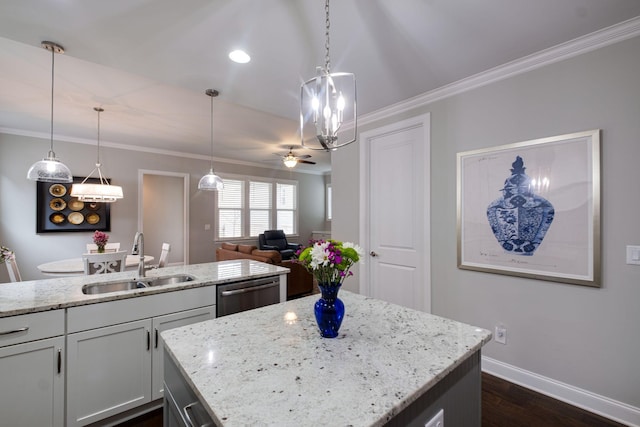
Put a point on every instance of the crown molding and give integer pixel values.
(590, 42)
(137, 148)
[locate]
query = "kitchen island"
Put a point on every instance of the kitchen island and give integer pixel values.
(389, 365)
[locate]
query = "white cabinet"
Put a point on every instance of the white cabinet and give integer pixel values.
(109, 371)
(114, 350)
(32, 370)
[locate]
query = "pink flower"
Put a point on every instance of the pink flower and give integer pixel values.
(100, 238)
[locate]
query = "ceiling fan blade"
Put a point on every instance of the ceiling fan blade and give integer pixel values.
(304, 156)
(307, 162)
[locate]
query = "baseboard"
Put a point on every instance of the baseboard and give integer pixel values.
(603, 406)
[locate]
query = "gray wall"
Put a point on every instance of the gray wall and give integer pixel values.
(18, 199)
(581, 336)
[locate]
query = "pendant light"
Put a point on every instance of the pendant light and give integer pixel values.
(50, 169)
(98, 192)
(211, 181)
(326, 102)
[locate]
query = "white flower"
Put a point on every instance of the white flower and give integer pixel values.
(319, 255)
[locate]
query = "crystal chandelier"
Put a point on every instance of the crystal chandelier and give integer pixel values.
(211, 181)
(98, 192)
(326, 103)
(50, 169)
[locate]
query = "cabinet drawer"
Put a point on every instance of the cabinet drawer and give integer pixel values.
(109, 313)
(31, 327)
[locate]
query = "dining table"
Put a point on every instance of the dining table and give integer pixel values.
(75, 266)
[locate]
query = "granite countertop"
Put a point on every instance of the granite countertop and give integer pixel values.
(56, 293)
(270, 365)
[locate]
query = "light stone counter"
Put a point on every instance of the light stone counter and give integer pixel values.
(56, 293)
(270, 366)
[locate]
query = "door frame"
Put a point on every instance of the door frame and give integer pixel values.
(424, 121)
(185, 204)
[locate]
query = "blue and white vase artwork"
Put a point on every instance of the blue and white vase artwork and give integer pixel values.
(520, 218)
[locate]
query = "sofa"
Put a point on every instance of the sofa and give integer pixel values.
(299, 280)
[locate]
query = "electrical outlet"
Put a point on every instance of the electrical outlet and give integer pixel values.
(500, 335)
(437, 420)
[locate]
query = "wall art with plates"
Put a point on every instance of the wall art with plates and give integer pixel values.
(57, 211)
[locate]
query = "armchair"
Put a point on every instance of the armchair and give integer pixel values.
(276, 240)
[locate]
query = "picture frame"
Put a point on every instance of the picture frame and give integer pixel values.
(532, 209)
(57, 211)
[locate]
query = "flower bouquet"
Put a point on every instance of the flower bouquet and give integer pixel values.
(100, 239)
(330, 262)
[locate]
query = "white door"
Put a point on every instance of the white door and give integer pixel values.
(163, 210)
(395, 162)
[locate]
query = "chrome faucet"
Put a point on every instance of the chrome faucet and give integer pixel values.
(138, 249)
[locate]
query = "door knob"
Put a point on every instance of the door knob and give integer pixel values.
(372, 253)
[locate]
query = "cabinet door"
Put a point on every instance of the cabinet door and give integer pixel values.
(162, 323)
(109, 371)
(32, 378)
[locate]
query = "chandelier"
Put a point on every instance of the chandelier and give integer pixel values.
(326, 103)
(211, 181)
(50, 169)
(101, 191)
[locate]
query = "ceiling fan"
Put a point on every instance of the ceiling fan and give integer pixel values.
(290, 159)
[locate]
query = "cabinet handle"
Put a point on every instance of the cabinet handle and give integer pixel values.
(15, 331)
(156, 344)
(148, 340)
(59, 360)
(187, 409)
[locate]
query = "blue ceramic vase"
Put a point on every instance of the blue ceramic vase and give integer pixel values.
(329, 310)
(520, 218)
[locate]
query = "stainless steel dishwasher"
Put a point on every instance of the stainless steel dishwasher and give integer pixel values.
(240, 296)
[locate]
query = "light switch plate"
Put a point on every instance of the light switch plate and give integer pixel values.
(633, 255)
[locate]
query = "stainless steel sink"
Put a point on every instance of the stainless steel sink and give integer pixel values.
(169, 280)
(106, 287)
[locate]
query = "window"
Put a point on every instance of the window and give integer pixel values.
(259, 207)
(247, 206)
(230, 207)
(286, 207)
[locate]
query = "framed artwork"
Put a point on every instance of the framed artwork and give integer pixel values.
(532, 209)
(57, 211)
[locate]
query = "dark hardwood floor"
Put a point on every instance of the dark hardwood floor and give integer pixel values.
(503, 405)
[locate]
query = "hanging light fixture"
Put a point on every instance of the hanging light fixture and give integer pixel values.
(98, 192)
(326, 102)
(211, 181)
(50, 169)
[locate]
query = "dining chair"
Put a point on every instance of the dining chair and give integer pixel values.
(111, 262)
(92, 248)
(164, 255)
(12, 267)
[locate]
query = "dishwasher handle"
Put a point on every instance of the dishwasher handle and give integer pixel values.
(248, 289)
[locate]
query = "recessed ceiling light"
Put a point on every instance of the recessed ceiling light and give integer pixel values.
(239, 56)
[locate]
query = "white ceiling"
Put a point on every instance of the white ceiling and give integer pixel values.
(148, 62)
